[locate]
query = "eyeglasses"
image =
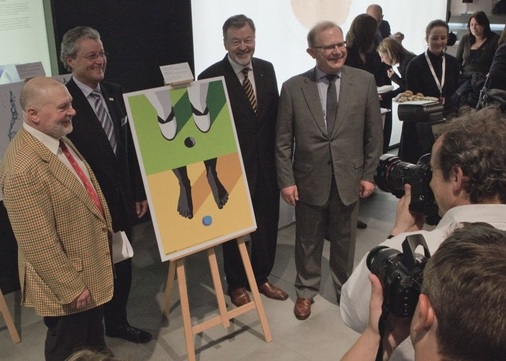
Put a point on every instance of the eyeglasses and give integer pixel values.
(330, 48)
(94, 56)
(238, 42)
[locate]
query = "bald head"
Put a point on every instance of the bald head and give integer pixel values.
(35, 92)
(376, 12)
(47, 106)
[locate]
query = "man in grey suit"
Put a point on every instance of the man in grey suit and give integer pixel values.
(325, 162)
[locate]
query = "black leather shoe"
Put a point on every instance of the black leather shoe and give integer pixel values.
(361, 224)
(130, 333)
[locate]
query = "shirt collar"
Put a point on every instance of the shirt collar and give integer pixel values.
(51, 143)
(238, 67)
(320, 74)
(85, 88)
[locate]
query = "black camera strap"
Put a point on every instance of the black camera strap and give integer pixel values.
(383, 325)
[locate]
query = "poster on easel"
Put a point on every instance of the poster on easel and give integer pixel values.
(191, 165)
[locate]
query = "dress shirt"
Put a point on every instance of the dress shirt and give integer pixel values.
(87, 93)
(323, 84)
(238, 71)
(53, 145)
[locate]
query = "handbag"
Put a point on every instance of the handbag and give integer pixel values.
(492, 97)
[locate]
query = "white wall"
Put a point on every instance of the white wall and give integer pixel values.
(23, 35)
(282, 26)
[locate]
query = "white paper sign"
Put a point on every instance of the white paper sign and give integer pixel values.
(176, 74)
(30, 70)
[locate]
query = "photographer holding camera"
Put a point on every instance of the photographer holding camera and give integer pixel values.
(468, 180)
(468, 268)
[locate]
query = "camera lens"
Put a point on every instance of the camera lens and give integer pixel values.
(392, 174)
(379, 260)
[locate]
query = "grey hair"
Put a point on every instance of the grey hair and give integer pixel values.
(69, 44)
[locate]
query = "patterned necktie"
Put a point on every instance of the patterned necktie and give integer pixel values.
(331, 111)
(104, 118)
(84, 179)
(248, 88)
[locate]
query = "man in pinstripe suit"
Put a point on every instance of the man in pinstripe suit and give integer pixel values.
(63, 232)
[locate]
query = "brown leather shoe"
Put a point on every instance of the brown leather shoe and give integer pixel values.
(239, 296)
(271, 291)
(302, 308)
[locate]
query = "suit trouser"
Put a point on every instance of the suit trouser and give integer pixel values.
(311, 225)
(67, 334)
(115, 314)
(263, 241)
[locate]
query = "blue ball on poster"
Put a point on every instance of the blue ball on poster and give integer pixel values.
(207, 220)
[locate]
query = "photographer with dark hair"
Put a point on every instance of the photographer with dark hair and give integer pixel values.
(466, 272)
(468, 166)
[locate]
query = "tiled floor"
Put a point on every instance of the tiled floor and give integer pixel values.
(322, 337)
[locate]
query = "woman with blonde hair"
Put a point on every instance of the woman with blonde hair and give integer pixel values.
(393, 53)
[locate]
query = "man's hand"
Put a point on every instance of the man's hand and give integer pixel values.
(400, 327)
(82, 300)
(290, 195)
(405, 221)
(366, 188)
(141, 208)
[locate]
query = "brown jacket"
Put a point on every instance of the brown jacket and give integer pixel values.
(64, 241)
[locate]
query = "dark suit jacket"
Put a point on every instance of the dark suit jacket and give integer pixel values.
(308, 157)
(118, 174)
(63, 238)
(256, 133)
(384, 29)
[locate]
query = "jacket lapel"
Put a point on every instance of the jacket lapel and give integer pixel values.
(312, 97)
(62, 174)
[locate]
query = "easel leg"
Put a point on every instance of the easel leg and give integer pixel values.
(168, 288)
(254, 289)
(218, 287)
(185, 309)
(4, 310)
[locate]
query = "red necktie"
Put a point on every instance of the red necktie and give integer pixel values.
(86, 182)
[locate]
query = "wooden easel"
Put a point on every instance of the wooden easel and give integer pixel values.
(4, 310)
(224, 317)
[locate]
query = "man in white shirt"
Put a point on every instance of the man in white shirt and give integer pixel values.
(469, 184)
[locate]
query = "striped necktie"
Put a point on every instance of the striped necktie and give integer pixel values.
(104, 118)
(248, 88)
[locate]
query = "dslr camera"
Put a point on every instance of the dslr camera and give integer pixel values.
(401, 274)
(392, 174)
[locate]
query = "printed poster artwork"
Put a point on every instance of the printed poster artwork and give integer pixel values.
(192, 167)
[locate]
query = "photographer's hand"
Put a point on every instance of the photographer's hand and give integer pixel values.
(405, 221)
(366, 346)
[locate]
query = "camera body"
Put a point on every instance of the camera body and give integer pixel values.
(392, 174)
(401, 274)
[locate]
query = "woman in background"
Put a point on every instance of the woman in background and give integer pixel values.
(477, 48)
(360, 43)
(496, 78)
(393, 53)
(432, 73)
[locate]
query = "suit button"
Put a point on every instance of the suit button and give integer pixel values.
(329, 162)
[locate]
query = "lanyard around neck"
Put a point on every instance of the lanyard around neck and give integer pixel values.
(440, 84)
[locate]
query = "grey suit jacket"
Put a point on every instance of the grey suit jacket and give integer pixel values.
(308, 157)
